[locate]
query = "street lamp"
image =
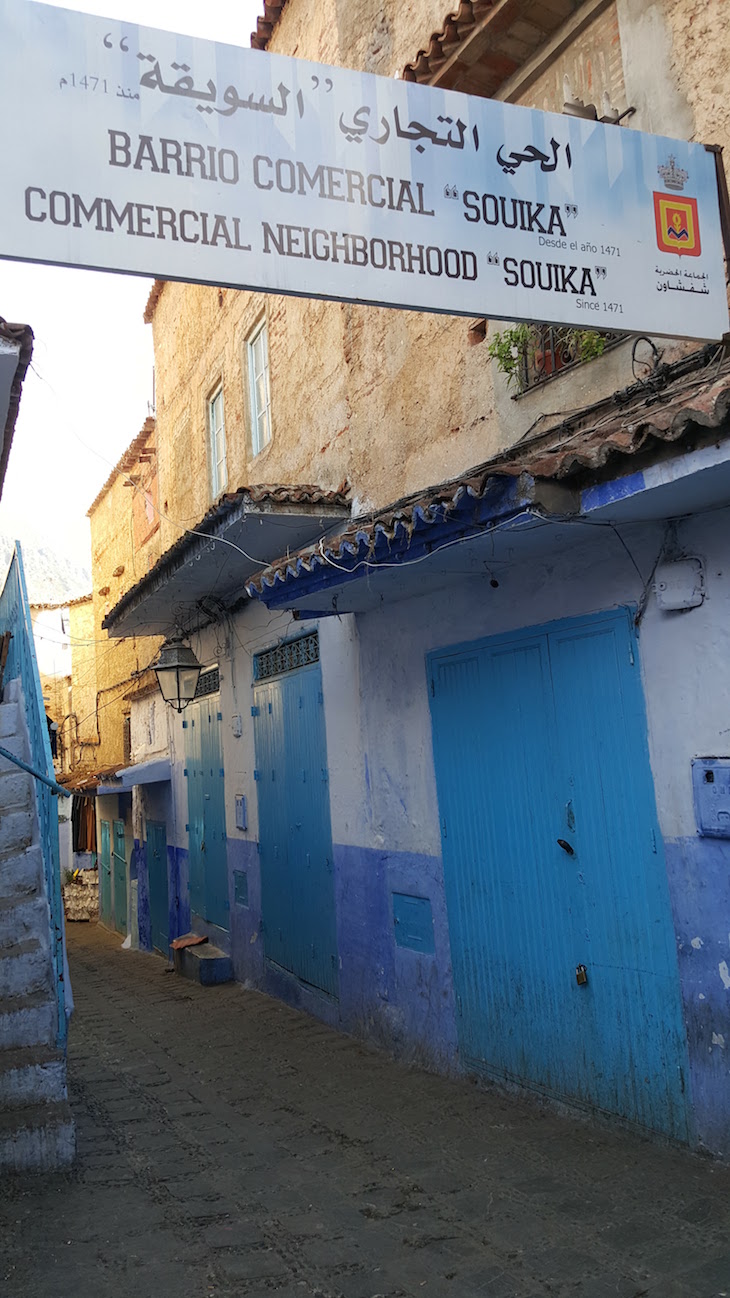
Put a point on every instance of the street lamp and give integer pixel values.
(177, 671)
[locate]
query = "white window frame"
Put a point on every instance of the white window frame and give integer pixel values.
(257, 351)
(217, 442)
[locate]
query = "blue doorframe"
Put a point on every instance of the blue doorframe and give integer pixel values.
(295, 837)
(206, 812)
(553, 859)
(158, 885)
(105, 886)
(119, 856)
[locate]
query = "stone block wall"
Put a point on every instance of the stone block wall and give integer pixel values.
(395, 400)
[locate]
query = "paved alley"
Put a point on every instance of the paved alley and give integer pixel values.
(231, 1146)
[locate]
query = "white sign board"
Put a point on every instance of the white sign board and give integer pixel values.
(129, 149)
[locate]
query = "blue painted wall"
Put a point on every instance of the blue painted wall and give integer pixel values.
(395, 996)
(143, 893)
(400, 997)
(246, 942)
(699, 881)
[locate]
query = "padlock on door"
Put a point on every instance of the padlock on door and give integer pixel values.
(581, 975)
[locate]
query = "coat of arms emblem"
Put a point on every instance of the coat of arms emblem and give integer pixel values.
(677, 219)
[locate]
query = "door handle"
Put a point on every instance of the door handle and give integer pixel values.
(566, 846)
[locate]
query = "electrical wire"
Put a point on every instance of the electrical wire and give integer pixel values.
(409, 563)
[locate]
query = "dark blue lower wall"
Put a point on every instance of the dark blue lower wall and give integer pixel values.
(397, 996)
(177, 891)
(699, 883)
(246, 940)
(402, 997)
(394, 994)
(140, 872)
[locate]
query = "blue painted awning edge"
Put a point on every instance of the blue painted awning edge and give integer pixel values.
(155, 771)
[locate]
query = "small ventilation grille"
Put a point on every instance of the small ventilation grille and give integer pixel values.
(287, 657)
(208, 683)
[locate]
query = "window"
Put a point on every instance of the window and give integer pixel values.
(553, 348)
(286, 657)
(258, 370)
(217, 435)
(209, 682)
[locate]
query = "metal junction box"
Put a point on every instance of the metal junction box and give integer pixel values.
(711, 790)
(679, 584)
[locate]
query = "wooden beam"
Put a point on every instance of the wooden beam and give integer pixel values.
(489, 33)
(524, 77)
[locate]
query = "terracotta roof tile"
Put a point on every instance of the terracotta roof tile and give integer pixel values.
(674, 402)
(125, 463)
(65, 603)
(153, 299)
(441, 44)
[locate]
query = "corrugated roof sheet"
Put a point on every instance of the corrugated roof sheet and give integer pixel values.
(126, 462)
(22, 336)
(607, 437)
(265, 495)
(86, 780)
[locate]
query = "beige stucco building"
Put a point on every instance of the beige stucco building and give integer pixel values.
(125, 543)
(390, 400)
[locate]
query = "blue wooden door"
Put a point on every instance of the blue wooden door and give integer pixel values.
(206, 813)
(295, 838)
(120, 877)
(105, 882)
(552, 859)
(158, 890)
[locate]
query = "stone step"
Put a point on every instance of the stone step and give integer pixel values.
(21, 918)
(21, 875)
(14, 744)
(28, 1020)
(37, 1138)
(32, 1076)
(205, 964)
(16, 789)
(16, 831)
(8, 721)
(25, 967)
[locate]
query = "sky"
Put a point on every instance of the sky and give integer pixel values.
(90, 386)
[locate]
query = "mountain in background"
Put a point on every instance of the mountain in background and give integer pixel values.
(49, 576)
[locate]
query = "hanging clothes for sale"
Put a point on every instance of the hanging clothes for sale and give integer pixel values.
(83, 823)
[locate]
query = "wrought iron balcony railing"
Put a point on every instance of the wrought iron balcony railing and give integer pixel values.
(549, 349)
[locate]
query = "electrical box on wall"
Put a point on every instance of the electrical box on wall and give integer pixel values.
(679, 584)
(711, 790)
(241, 811)
(237, 726)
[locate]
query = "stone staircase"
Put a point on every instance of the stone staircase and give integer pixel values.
(36, 1128)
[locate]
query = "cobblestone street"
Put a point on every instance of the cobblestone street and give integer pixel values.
(230, 1146)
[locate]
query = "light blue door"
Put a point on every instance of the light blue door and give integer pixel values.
(553, 860)
(158, 890)
(206, 812)
(105, 889)
(295, 839)
(120, 877)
